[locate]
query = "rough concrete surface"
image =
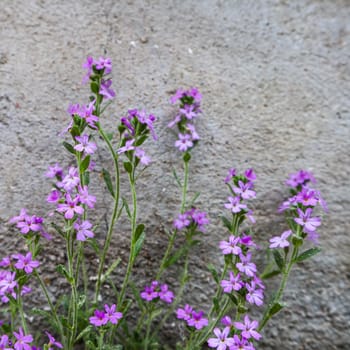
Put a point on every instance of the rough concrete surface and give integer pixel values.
(275, 80)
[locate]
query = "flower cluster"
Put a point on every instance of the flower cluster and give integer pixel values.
(157, 291)
(29, 224)
(193, 318)
(241, 188)
(71, 198)
(109, 315)
(22, 341)
(243, 279)
(300, 206)
(134, 130)
(193, 220)
(188, 112)
(236, 342)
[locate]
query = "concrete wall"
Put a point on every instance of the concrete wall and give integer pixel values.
(275, 80)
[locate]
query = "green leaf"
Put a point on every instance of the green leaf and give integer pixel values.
(138, 245)
(110, 269)
(81, 301)
(109, 136)
(86, 178)
(69, 147)
(87, 330)
(74, 131)
(276, 307)
(194, 198)
(137, 297)
(216, 305)
(139, 229)
(270, 274)
(214, 273)
(174, 258)
(127, 209)
(307, 254)
(62, 270)
(156, 313)
(297, 241)
(178, 181)
(226, 223)
(128, 167)
(141, 140)
(58, 229)
(84, 164)
(278, 259)
(107, 178)
(187, 157)
(94, 88)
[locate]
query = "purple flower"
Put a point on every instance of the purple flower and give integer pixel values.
(112, 315)
(280, 241)
(30, 223)
(4, 342)
(185, 313)
(178, 95)
(143, 118)
(310, 224)
(22, 340)
(235, 204)
(200, 218)
(184, 142)
(83, 230)
(54, 196)
(87, 114)
(21, 217)
(222, 341)
(165, 294)
(230, 175)
(104, 63)
(85, 198)
(105, 89)
(226, 321)
(70, 207)
(188, 111)
(54, 171)
(141, 154)
(195, 94)
(149, 293)
(248, 328)
(250, 174)
(88, 64)
(53, 342)
(99, 318)
(300, 178)
(5, 262)
(307, 197)
(241, 344)
(235, 283)
(71, 180)
(182, 221)
(85, 145)
(128, 147)
(7, 282)
(244, 190)
(25, 262)
(246, 266)
(231, 246)
(254, 296)
(197, 320)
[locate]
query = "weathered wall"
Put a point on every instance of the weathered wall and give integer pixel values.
(275, 80)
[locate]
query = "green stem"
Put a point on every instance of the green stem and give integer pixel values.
(184, 188)
(212, 325)
(114, 213)
(52, 308)
(286, 271)
(132, 241)
(21, 312)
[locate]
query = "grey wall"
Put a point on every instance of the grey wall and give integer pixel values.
(275, 81)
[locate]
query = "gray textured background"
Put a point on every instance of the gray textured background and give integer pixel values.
(275, 81)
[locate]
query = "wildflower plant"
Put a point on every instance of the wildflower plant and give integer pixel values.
(88, 315)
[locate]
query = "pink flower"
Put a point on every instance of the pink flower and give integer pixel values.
(280, 241)
(222, 341)
(184, 142)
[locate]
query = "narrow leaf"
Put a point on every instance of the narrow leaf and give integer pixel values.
(94, 88)
(139, 230)
(214, 273)
(127, 209)
(137, 296)
(308, 254)
(174, 258)
(277, 307)
(226, 223)
(128, 167)
(278, 259)
(69, 147)
(138, 245)
(110, 269)
(107, 178)
(87, 330)
(84, 164)
(194, 198)
(178, 181)
(270, 274)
